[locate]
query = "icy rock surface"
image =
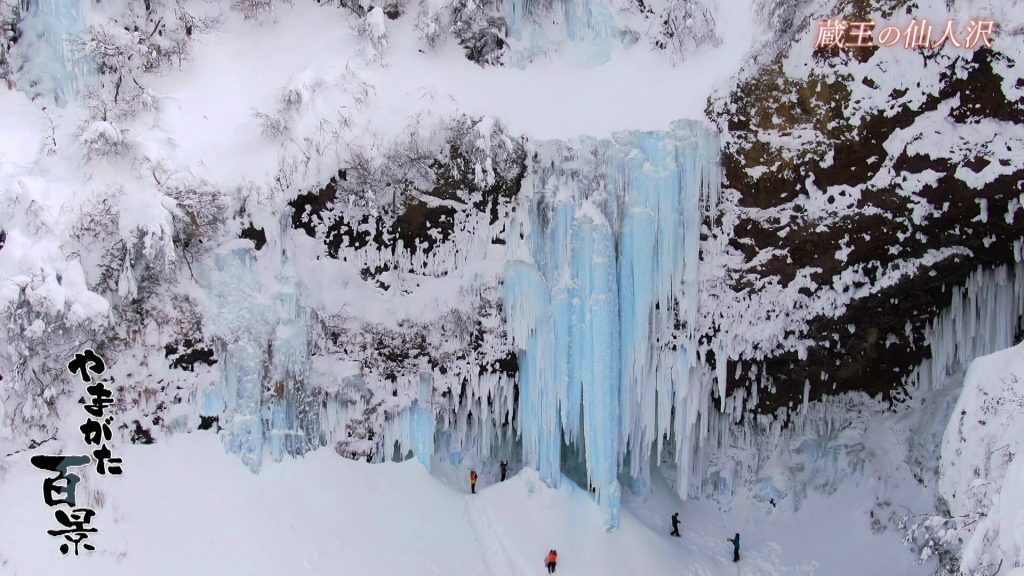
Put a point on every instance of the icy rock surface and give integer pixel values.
(598, 302)
(598, 299)
(860, 189)
(589, 31)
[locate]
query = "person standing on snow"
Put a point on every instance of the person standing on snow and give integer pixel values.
(675, 525)
(472, 481)
(735, 547)
(504, 469)
(551, 561)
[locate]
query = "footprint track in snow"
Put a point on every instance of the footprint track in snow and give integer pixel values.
(500, 561)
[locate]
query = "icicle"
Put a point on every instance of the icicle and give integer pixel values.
(422, 440)
(127, 288)
(595, 335)
(983, 317)
(721, 374)
(529, 326)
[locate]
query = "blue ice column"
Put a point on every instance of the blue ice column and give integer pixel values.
(243, 383)
(422, 425)
(651, 273)
(590, 25)
(291, 367)
(529, 323)
(697, 156)
(526, 299)
(47, 27)
(589, 28)
(667, 177)
(593, 296)
(595, 338)
(243, 356)
(514, 13)
(240, 316)
(566, 378)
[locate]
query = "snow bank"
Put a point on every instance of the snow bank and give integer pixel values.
(982, 469)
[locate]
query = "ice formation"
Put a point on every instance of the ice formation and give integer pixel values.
(983, 318)
(600, 291)
(262, 398)
(600, 296)
(48, 27)
(585, 29)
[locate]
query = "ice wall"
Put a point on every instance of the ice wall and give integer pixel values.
(240, 316)
(265, 398)
(294, 423)
(48, 27)
(600, 296)
(584, 31)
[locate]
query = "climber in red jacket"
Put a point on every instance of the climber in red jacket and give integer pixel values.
(552, 559)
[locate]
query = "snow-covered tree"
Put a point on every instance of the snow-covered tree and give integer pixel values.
(432, 22)
(101, 138)
(686, 27)
(373, 30)
(122, 49)
(10, 14)
(253, 9)
(46, 311)
(477, 25)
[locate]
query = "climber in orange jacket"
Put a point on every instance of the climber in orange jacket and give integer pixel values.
(472, 481)
(552, 559)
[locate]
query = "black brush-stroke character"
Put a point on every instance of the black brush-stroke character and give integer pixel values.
(96, 432)
(101, 399)
(85, 362)
(102, 458)
(75, 539)
(64, 483)
(77, 521)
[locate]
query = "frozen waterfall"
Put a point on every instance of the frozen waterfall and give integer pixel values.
(600, 296)
(48, 27)
(584, 30)
(263, 399)
(599, 293)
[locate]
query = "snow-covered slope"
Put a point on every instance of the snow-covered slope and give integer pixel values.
(182, 507)
(982, 468)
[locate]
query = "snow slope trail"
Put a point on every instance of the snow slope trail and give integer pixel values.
(499, 559)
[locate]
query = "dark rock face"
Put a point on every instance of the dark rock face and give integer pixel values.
(209, 423)
(426, 194)
(186, 353)
(140, 435)
(859, 193)
(257, 235)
